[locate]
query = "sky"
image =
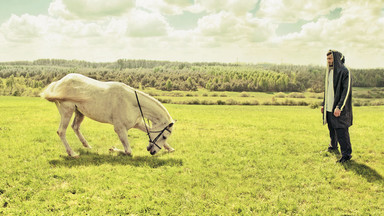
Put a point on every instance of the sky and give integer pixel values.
(230, 31)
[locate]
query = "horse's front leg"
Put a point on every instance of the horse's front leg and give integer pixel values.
(168, 147)
(123, 136)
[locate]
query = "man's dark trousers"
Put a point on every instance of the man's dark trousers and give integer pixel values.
(340, 135)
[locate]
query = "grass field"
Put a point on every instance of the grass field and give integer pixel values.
(229, 160)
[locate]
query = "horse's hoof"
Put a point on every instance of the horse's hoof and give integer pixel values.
(74, 156)
(125, 154)
(171, 150)
(128, 154)
(86, 145)
(113, 149)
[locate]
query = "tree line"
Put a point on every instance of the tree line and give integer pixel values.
(30, 77)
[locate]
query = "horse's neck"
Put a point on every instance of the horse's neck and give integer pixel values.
(154, 110)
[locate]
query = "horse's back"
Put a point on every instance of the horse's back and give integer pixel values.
(75, 87)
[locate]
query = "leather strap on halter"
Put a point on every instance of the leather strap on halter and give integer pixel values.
(146, 128)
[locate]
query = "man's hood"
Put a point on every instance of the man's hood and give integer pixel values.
(338, 59)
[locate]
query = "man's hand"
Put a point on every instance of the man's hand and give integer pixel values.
(322, 109)
(337, 112)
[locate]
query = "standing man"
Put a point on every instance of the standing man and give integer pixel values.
(337, 104)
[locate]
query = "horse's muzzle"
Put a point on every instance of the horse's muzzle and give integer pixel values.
(151, 148)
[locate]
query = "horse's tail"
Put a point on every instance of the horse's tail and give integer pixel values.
(50, 94)
(56, 91)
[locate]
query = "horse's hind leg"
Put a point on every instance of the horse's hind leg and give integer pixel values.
(66, 110)
(79, 117)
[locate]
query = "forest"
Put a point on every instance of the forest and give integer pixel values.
(28, 78)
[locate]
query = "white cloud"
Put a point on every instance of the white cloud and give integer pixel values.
(27, 28)
(58, 9)
(23, 28)
(166, 7)
(220, 24)
(181, 3)
(89, 9)
(226, 31)
(359, 23)
(355, 32)
(144, 24)
(227, 27)
(237, 7)
(290, 11)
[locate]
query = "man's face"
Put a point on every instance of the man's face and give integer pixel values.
(330, 60)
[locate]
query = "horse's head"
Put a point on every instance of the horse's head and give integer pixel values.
(159, 139)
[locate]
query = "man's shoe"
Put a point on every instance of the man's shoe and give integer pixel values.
(344, 159)
(333, 150)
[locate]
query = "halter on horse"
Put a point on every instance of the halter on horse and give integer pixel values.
(153, 142)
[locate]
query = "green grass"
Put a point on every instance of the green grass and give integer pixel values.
(229, 160)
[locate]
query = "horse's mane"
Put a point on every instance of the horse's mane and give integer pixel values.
(157, 102)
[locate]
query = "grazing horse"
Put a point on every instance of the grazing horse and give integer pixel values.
(109, 102)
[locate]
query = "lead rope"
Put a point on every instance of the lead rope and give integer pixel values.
(142, 115)
(146, 128)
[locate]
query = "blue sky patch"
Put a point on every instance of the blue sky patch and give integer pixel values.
(286, 28)
(185, 21)
(334, 14)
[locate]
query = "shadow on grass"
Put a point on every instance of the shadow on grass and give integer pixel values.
(363, 170)
(93, 159)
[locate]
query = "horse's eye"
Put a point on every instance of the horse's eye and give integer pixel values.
(164, 137)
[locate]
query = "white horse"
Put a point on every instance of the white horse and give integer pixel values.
(109, 102)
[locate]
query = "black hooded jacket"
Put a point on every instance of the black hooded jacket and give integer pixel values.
(342, 86)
